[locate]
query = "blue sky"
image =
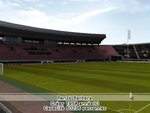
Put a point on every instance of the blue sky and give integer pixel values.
(110, 17)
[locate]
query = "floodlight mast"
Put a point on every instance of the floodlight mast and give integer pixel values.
(128, 38)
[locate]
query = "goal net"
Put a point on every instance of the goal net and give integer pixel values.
(1, 68)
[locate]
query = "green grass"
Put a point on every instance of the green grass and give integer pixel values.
(102, 77)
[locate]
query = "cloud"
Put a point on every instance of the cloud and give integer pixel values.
(39, 18)
(2, 5)
(8, 4)
(88, 0)
(138, 6)
(85, 16)
(15, 4)
(64, 3)
(131, 6)
(40, 5)
(31, 17)
(61, 23)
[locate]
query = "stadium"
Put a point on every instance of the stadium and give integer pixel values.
(28, 43)
(36, 60)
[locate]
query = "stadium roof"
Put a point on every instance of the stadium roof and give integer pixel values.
(11, 29)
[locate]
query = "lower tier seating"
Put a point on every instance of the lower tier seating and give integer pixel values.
(59, 52)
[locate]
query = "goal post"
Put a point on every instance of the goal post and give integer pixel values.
(1, 68)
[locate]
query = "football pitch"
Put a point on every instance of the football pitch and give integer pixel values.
(100, 77)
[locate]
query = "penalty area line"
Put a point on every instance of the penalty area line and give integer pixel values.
(114, 110)
(142, 108)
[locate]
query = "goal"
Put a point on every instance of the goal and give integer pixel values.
(1, 68)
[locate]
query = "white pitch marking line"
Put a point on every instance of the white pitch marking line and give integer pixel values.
(114, 110)
(127, 110)
(142, 108)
